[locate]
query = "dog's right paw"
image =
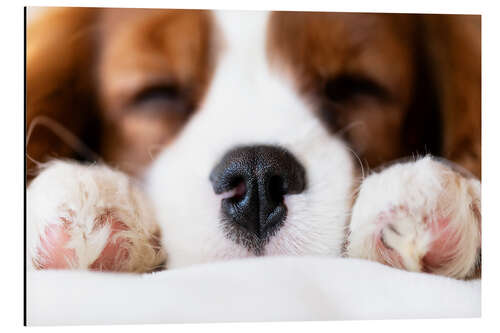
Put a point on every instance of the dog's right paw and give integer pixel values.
(421, 216)
(90, 217)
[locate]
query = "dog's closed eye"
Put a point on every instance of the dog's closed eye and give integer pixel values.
(161, 98)
(345, 96)
(346, 88)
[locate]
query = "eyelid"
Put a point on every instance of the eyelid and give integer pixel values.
(159, 98)
(346, 86)
(157, 91)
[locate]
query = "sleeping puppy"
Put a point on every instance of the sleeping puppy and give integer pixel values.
(222, 135)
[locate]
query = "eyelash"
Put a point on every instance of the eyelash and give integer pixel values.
(165, 99)
(158, 92)
(346, 88)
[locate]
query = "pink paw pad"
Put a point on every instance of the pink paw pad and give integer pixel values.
(414, 242)
(444, 245)
(115, 253)
(54, 252)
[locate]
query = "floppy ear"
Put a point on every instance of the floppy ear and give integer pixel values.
(59, 74)
(453, 43)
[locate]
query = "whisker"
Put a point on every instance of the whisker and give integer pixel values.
(359, 161)
(297, 139)
(151, 148)
(349, 127)
(64, 134)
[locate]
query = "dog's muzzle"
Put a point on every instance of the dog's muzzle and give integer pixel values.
(253, 181)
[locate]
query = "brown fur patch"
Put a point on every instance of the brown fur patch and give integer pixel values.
(392, 52)
(86, 68)
(454, 45)
(156, 49)
(59, 60)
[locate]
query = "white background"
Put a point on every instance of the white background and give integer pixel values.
(11, 173)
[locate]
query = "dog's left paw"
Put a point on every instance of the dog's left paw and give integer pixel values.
(420, 216)
(90, 217)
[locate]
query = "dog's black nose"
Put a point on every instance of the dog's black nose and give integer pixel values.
(253, 181)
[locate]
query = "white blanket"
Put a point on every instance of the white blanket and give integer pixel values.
(264, 289)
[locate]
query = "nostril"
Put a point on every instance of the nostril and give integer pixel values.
(237, 192)
(276, 189)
